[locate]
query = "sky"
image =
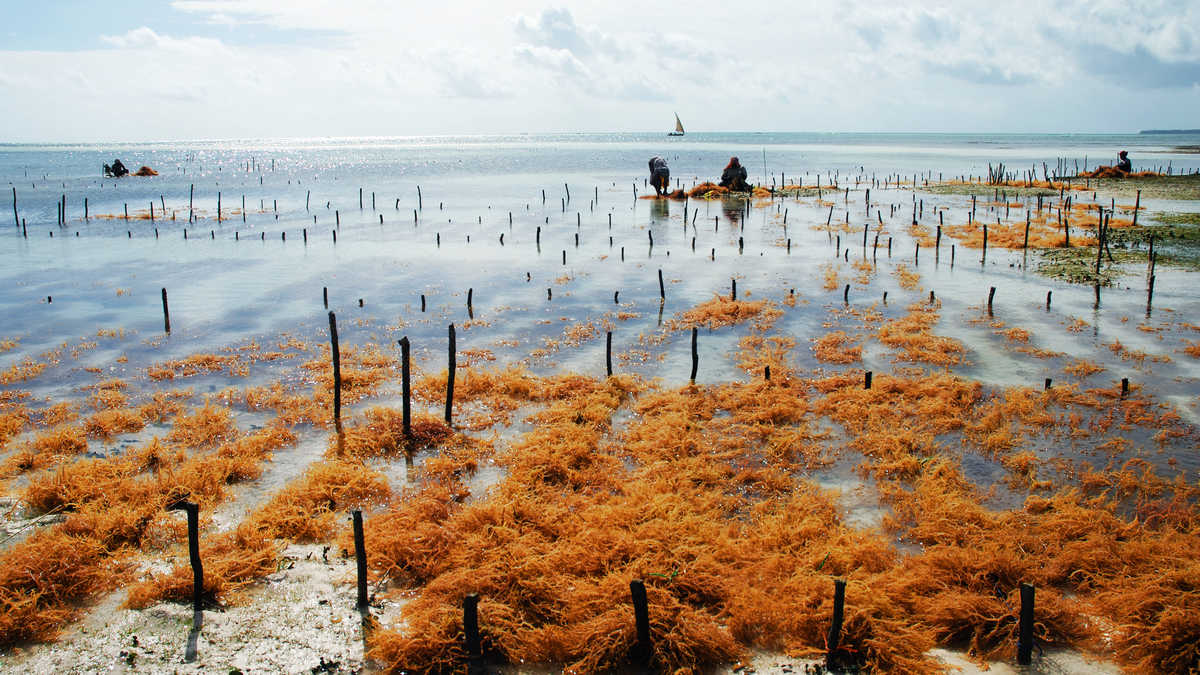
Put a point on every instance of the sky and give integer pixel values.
(134, 70)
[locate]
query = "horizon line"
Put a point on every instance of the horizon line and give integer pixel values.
(243, 139)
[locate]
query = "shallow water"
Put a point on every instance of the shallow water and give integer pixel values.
(239, 279)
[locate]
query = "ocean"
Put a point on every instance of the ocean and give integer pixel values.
(522, 223)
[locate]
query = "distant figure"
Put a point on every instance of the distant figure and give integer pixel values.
(116, 170)
(660, 175)
(734, 176)
(1123, 162)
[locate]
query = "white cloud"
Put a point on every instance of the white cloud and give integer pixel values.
(378, 66)
(146, 39)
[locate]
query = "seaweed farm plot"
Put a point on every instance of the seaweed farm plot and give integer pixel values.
(532, 424)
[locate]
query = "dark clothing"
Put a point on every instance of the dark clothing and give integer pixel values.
(660, 175)
(117, 169)
(734, 178)
(1124, 164)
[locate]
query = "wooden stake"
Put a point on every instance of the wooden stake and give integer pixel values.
(835, 626)
(193, 527)
(642, 649)
(406, 386)
(360, 557)
(337, 371)
(695, 355)
(166, 313)
(1025, 623)
(471, 631)
(450, 373)
(608, 353)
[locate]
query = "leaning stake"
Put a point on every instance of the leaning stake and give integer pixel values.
(337, 370)
(166, 312)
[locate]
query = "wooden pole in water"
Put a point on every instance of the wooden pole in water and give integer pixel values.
(360, 557)
(406, 385)
(1137, 204)
(991, 295)
(166, 313)
(608, 353)
(1025, 624)
(867, 379)
(662, 289)
(337, 370)
(16, 218)
(695, 355)
(450, 374)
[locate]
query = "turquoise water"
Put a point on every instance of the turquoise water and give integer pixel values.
(254, 276)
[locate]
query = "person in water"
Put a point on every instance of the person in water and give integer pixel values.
(116, 170)
(1123, 162)
(734, 176)
(660, 175)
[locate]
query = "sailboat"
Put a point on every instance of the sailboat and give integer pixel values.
(678, 127)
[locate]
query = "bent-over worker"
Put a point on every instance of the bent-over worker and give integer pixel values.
(660, 175)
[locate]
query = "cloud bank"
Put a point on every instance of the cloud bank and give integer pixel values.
(373, 67)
